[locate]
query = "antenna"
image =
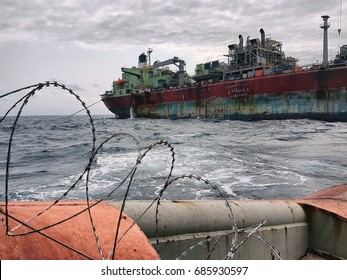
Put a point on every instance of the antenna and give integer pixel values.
(339, 19)
(150, 50)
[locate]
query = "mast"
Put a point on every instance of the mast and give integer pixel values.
(150, 50)
(339, 15)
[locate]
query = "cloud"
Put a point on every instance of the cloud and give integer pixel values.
(111, 24)
(75, 87)
(196, 24)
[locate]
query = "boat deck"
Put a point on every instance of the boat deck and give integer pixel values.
(313, 227)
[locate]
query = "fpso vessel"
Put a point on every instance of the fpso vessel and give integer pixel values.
(257, 82)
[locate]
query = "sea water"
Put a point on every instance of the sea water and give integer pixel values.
(49, 157)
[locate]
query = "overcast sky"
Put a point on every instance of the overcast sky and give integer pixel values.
(83, 43)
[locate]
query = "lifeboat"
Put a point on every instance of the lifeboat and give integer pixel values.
(121, 82)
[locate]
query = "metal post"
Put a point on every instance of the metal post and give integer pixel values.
(325, 26)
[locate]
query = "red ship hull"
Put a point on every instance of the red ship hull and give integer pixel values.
(317, 94)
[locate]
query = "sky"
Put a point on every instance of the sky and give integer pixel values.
(84, 43)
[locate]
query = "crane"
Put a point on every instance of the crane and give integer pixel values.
(175, 61)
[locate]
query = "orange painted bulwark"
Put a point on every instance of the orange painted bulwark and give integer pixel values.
(73, 239)
(332, 200)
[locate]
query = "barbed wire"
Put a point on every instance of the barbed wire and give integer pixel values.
(127, 179)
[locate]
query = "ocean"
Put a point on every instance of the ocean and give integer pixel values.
(50, 156)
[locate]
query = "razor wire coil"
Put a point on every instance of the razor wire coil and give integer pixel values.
(128, 177)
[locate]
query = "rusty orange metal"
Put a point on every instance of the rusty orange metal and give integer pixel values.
(73, 239)
(333, 200)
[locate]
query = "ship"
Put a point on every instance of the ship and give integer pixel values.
(258, 81)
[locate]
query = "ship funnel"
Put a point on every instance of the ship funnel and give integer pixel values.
(241, 42)
(325, 26)
(142, 60)
(262, 38)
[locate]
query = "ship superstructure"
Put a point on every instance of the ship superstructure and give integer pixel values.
(148, 76)
(256, 57)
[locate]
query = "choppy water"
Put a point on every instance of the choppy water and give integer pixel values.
(245, 160)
